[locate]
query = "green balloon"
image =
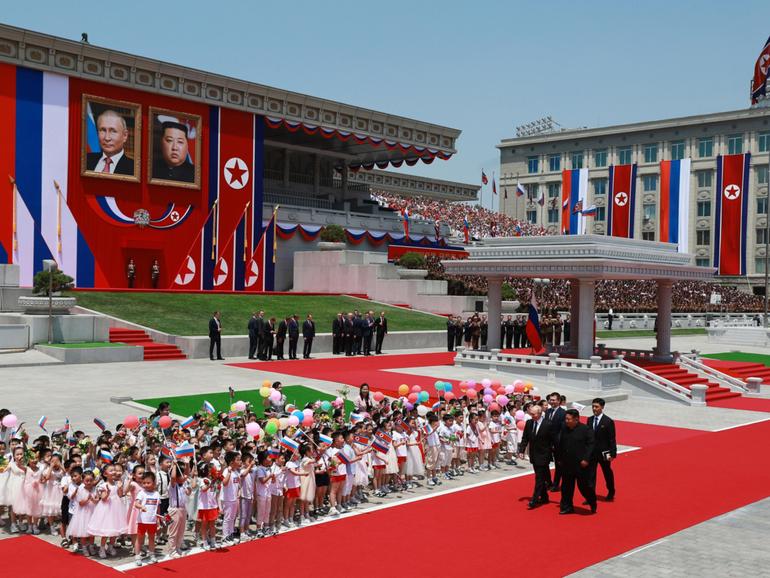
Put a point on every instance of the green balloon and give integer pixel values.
(326, 406)
(271, 428)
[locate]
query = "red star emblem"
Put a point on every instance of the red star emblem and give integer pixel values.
(236, 173)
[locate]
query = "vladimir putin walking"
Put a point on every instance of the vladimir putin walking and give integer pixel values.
(538, 436)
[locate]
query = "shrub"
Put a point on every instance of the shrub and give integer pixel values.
(59, 282)
(333, 234)
(412, 261)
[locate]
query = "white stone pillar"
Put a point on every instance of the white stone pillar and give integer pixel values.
(663, 348)
(574, 299)
(585, 328)
(494, 306)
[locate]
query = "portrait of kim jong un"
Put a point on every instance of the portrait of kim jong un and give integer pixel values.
(175, 148)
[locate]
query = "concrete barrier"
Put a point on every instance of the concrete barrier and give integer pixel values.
(14, 337)
(197, 347)
(93, 354)
(66, 328)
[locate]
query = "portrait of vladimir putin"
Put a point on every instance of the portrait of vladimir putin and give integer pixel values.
(113, 134)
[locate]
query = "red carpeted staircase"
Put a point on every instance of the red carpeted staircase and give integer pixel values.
(740, 369)
(152, 351)
(681, 376)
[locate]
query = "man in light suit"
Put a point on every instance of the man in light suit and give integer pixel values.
(113, 134)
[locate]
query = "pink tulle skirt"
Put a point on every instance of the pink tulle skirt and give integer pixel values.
(108, 519)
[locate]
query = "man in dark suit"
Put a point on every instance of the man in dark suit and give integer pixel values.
(112, 131)
(605, 448)
(308, 334)
(338, 334)
(555, 414)
(367, 328)
(450, 333)
(253, 335)
(293, 336)
(349, 331)
(576, 447)
(538, 436)
(517, 331)
(509, 327)
(280, 338)
(382, 330)
(358, 333)
(173, 163)
(268, 334)
(215, 336)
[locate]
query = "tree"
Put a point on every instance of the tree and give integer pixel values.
(333, 234)
(59, 282)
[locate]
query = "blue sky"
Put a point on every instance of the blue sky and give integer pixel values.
(483, 67)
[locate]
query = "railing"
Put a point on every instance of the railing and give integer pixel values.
(657, 381)
(297, 200)
(728, 323)
(690, 363)
(639, 354)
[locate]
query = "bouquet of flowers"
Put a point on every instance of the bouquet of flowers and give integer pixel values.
(85, 444)
(3, 464)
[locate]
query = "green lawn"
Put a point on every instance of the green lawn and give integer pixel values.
(189, 313)
(186, 405)
(740, 356)
(648, 332)
(85, 345)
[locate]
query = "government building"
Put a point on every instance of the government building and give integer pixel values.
(537, 162)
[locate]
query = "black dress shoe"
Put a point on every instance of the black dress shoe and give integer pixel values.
(544, 501)
(220, 358)
(531, 505)
(610, 496)
(593, 508)
(211, 358)
(586, 502)
(554, 489)
(565, 511)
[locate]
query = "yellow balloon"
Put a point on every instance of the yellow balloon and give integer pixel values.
(264, 392)
(403, 389)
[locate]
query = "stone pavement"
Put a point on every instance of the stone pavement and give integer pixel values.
(734, 544)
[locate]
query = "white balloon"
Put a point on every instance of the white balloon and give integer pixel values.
(422, 410)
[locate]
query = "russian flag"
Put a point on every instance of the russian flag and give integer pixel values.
(675, 203)
(380, 445)
(532, 328)
(185, 450)
(732, 212)
(289, 444)
(189, 422)
(340, 455)
(574, 188)
(589, 212)
(622, 197)
(105, 456)
(208, 408)
(355, 418)
(466, 229)
(405, 215)
(64, 429)
(436, 405)
(273, 452)
(41, 422)
(324, 439)
(100, 424)
(520, 190)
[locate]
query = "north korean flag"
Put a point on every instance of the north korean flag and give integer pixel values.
(732, 208)
(622, 194)
(761, 69)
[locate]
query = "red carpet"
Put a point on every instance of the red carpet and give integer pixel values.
(642, 435)
(152, 351)
(30, 557)
(661, 490)
(356, 370)
(747, 403)
(683, 377)
(740, 369)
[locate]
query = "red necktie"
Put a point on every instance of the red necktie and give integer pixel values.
(107, 163)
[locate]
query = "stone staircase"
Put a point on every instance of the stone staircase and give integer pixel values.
(686, 379)
(152, 351)
(740, 369)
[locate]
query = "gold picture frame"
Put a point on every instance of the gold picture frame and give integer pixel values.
(175, 143)
(102, 128)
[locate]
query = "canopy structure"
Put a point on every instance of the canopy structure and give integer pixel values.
(583, 259)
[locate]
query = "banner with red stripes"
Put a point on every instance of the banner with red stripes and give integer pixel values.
(732, 204)
(622, 196)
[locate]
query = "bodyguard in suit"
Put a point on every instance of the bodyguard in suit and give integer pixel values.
(451, 326)
(510, 325)
(518, 329)
(268, 334)
(253, 335)
(280, 337)
(367, 328)
(576, 447)
(459, 330)
(293, 336)
(555, 414)
(381, 326)
(308, 334)
(605, 447)
(215, 336)
(539, 437)
(358, 333)
(349, 333)
(338, 334)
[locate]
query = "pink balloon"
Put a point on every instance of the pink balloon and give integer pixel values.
(471, 383)
(471, 393)
(308, 421)
(10, 420)
(378, 396)
(131, 422)
(449, 395)
(496, 383)
(488, 399)
(293, 420)
(520, 415)
(412, 398)
(308, 412)
(494, 407)
(416, 389)
(502, 400)
(253, 429)
(520, 424)
(164, 422)
(339, 400)
(517, 382)
(486, 382)
(509, 389)
(489, 391)
(275, 395)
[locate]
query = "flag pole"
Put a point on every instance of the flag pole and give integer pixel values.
(59, 198)
(200, 232)
(15, 243)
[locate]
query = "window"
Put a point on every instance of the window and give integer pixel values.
(648, 235)
(734, 144)
(601, 213)
(532, 191)
(625, 155)
(651, 153)
(554, 190)
(532, 216)
(705, 147)
(600, 158)
(703, 237)
(762, 175)
(648, 211)
(553, 215)
(554, 163)
(704, 208)
(761, 235)
(764, 141)
(600, 186)
(677, 150)
(532, 165)
(759, 265)
(702, 262)
(762, 206)
(704, 179)
(650, 183)
(577, 160)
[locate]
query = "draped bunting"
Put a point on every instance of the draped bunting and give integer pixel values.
(424, 154)
(310, 233)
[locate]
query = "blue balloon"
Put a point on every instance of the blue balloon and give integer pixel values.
(298, 414)
(447, 386)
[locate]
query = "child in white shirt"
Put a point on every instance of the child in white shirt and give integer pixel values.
(147, 501)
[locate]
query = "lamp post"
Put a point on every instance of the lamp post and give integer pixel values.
(50, 266)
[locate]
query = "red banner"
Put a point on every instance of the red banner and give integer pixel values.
(731, 214)
(622, 196)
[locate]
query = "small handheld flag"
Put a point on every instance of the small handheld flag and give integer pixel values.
(189, 423)
(105, 456)
(577, 406)
(273, 452)
(208, 408)
(340, 455)
(184, 450)
(380, 446)
(427, 430)
(100, 424)
(590, 211)
(324, 439)
(168, 449)
(41, 423)
(289, 444)
(64, 429)
(355, 418)
(361, 440)
(436, 406)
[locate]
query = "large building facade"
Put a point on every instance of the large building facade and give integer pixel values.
(537, 162)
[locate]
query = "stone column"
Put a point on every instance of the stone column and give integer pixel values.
(495, 306)
(663, 349)
(316, 173)
(574, 299)
(585, 329)
(286, 168)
